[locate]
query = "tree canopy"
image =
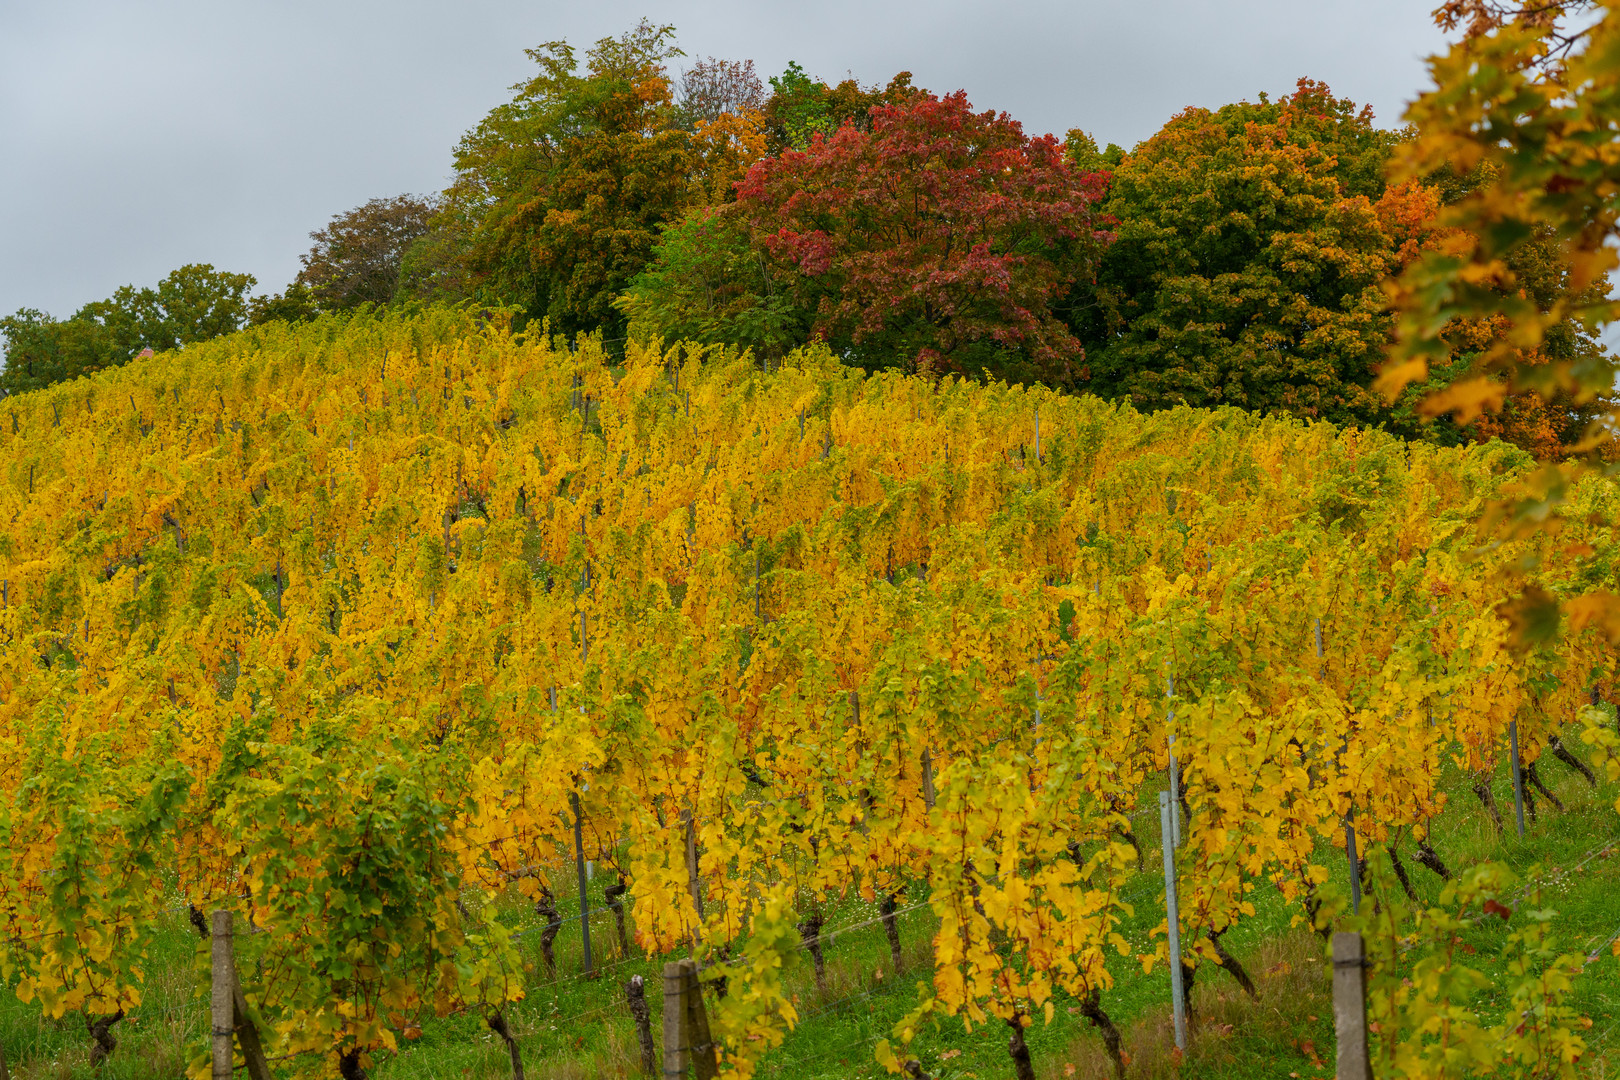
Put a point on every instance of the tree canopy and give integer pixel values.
(1247, 262)
(357, 256)
(935, 237)
(560, 193)
(939, 238)
(191, 304)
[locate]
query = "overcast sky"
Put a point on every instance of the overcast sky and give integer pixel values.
(139, 136)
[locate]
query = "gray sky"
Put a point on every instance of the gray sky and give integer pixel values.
(140, 135)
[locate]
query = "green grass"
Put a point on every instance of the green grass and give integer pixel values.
(577, 1027)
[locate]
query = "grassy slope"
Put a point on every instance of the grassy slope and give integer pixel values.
(578, 1027)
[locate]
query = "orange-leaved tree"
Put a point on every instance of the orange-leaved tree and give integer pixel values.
(1532, 100)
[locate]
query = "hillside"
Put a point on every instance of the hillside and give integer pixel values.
(368, 629)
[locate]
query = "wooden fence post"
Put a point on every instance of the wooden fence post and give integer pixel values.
(676, 1042)
(1350, 1007)
(705, 1065)
(635, 992)
(223, 1023)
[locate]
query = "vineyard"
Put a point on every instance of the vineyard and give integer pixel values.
(374, 631)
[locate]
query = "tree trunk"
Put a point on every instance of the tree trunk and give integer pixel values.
(497, 1024)
(721, 983)
(810, 933)
(635, 991)
(614, 895)
(349, 1064)
(891, 928)
(1482, 788)
(1230, 964)
(1535, 779)
(103, 1041)
(1189, 975)
(1313, 908)
(1091, 1008)
(1561, 752)
(1181, 797)
(1023, 1068)
(1431, 858)
(547, 906)
(1400, 872)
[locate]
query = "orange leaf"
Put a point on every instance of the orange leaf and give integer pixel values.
(1394, 378)
(1600, 609)
(1466, 400)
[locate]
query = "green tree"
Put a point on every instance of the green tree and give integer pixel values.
(41, 350)
(709, 282)
(194, 303)
(560, 193)
(801, 107)
(1247, 262)
(1080, 148)
(294, 304)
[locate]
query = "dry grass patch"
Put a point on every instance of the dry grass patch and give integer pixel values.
(1228, 1030)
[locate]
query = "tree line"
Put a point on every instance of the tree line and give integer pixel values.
(1238, 256)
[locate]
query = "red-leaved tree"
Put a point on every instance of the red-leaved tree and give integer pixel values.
(942, 238)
